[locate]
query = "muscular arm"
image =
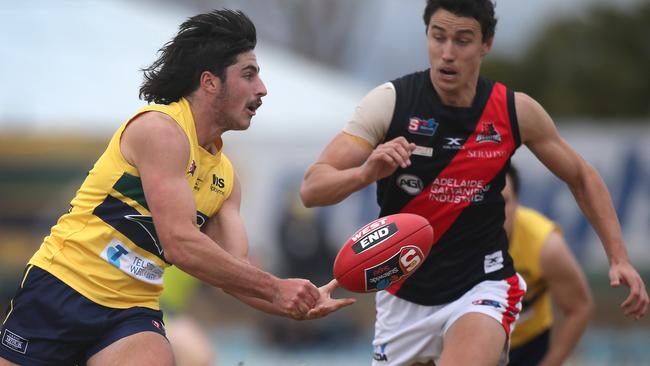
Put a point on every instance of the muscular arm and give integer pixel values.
(356, 158)
(540, 135)
(348, 164)
(570, 292)
(226, 228)
(159, 149)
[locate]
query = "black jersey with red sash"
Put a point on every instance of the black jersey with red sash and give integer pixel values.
(455, 181)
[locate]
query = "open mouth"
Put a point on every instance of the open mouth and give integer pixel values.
(253, 106)
(448, 72)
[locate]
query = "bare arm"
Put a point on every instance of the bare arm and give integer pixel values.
(539, 133)
(227, 229)
(348, 164)
(159, 149)
(570, 292)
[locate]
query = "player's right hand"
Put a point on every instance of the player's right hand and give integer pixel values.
(636, 303)
(294, 297)
(386, 158)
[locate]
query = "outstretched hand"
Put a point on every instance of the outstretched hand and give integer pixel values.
(326, 304)
(636, 303)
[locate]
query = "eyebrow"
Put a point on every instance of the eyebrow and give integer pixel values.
(462, 31)
(251, 67)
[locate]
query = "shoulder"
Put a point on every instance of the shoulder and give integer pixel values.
(155, 124)
(534, 122)
(152, 131)
(381, 93)
(373, 114)
(526, 105)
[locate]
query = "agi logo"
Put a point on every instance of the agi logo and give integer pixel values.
(410, 184)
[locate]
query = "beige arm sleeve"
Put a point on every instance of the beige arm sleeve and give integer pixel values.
(371, 118)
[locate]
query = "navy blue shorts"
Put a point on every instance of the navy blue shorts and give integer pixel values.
(531, 352)
(50, 324)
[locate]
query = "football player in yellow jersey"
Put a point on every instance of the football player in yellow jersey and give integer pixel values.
(543, 258)
(162, 193)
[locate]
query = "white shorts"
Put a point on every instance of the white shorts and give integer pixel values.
(406, 333)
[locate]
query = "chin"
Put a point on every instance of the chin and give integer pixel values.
(244, 125)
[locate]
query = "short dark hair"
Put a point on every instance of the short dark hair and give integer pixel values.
(513, 173)
(481, 10)
(205, 42)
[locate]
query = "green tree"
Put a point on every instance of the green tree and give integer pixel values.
(595, 65)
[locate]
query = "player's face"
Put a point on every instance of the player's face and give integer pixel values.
(241, 94)
(456, 48)
(511, 200)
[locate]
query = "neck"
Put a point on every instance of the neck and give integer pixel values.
(207, 130)
(460, 96)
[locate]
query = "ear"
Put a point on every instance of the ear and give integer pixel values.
(210, 82)
(487, 46)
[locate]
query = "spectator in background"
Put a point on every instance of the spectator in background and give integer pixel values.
(543, 258)
(304, 248)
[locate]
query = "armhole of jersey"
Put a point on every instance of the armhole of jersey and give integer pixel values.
(128, 167)
(514, 123)
(231, 177)
(118, 156)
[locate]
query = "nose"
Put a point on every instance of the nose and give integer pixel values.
(261, 89)
(448, 53)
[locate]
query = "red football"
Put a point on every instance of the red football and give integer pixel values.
(383, 252)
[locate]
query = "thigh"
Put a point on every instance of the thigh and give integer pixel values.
(4, 362)
(473, 339)
(126, 323)
(407, 333)
(477, 332)
(144, 348)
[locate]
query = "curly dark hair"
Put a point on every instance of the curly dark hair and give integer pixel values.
(205, 42)
(481, 10)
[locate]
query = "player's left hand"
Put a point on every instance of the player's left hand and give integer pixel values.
(326, 304)
(636, 303)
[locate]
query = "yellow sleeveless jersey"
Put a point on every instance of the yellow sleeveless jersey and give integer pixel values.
(530, 231)
(106, 246)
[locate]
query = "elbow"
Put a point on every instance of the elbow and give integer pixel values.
(589, 307)
(306, 192)
(173, 248)
(307, 197)
(584, 310)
